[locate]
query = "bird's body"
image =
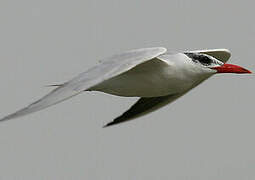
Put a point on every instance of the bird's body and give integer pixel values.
(157, 76)
(164, 75)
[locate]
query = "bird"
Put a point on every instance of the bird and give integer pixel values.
(155, 75)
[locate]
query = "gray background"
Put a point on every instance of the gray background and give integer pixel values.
(207, 134)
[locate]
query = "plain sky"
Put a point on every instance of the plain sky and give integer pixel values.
(208, 134)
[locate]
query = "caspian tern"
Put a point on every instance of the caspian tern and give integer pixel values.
(156, 76)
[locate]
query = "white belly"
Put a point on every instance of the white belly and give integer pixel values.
(147, 80)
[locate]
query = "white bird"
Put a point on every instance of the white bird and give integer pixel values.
(156, 76)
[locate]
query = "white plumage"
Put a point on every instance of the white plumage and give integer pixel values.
(153, 74)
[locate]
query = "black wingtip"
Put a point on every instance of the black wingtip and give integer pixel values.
(110, 124)
(122, 118)
(116, 121)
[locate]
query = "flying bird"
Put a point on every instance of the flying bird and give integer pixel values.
(155, 75)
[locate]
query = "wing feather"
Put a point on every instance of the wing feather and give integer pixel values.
(144, 106)
(111, 67)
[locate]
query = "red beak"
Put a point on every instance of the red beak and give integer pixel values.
(230, 68)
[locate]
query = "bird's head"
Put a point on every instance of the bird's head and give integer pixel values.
(211, 65)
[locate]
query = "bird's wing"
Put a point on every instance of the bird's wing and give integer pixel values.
(144, 106)
(115, 65)
(220, 54)
(110, 67)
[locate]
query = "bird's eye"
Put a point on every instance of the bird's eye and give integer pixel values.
(204, 60)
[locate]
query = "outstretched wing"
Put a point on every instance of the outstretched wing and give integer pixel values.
(110, 67)
(220, 54)
(144, 106)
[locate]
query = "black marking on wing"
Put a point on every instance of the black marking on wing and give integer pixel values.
(142, 107)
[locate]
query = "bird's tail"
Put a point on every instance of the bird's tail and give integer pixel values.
(57, 95)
